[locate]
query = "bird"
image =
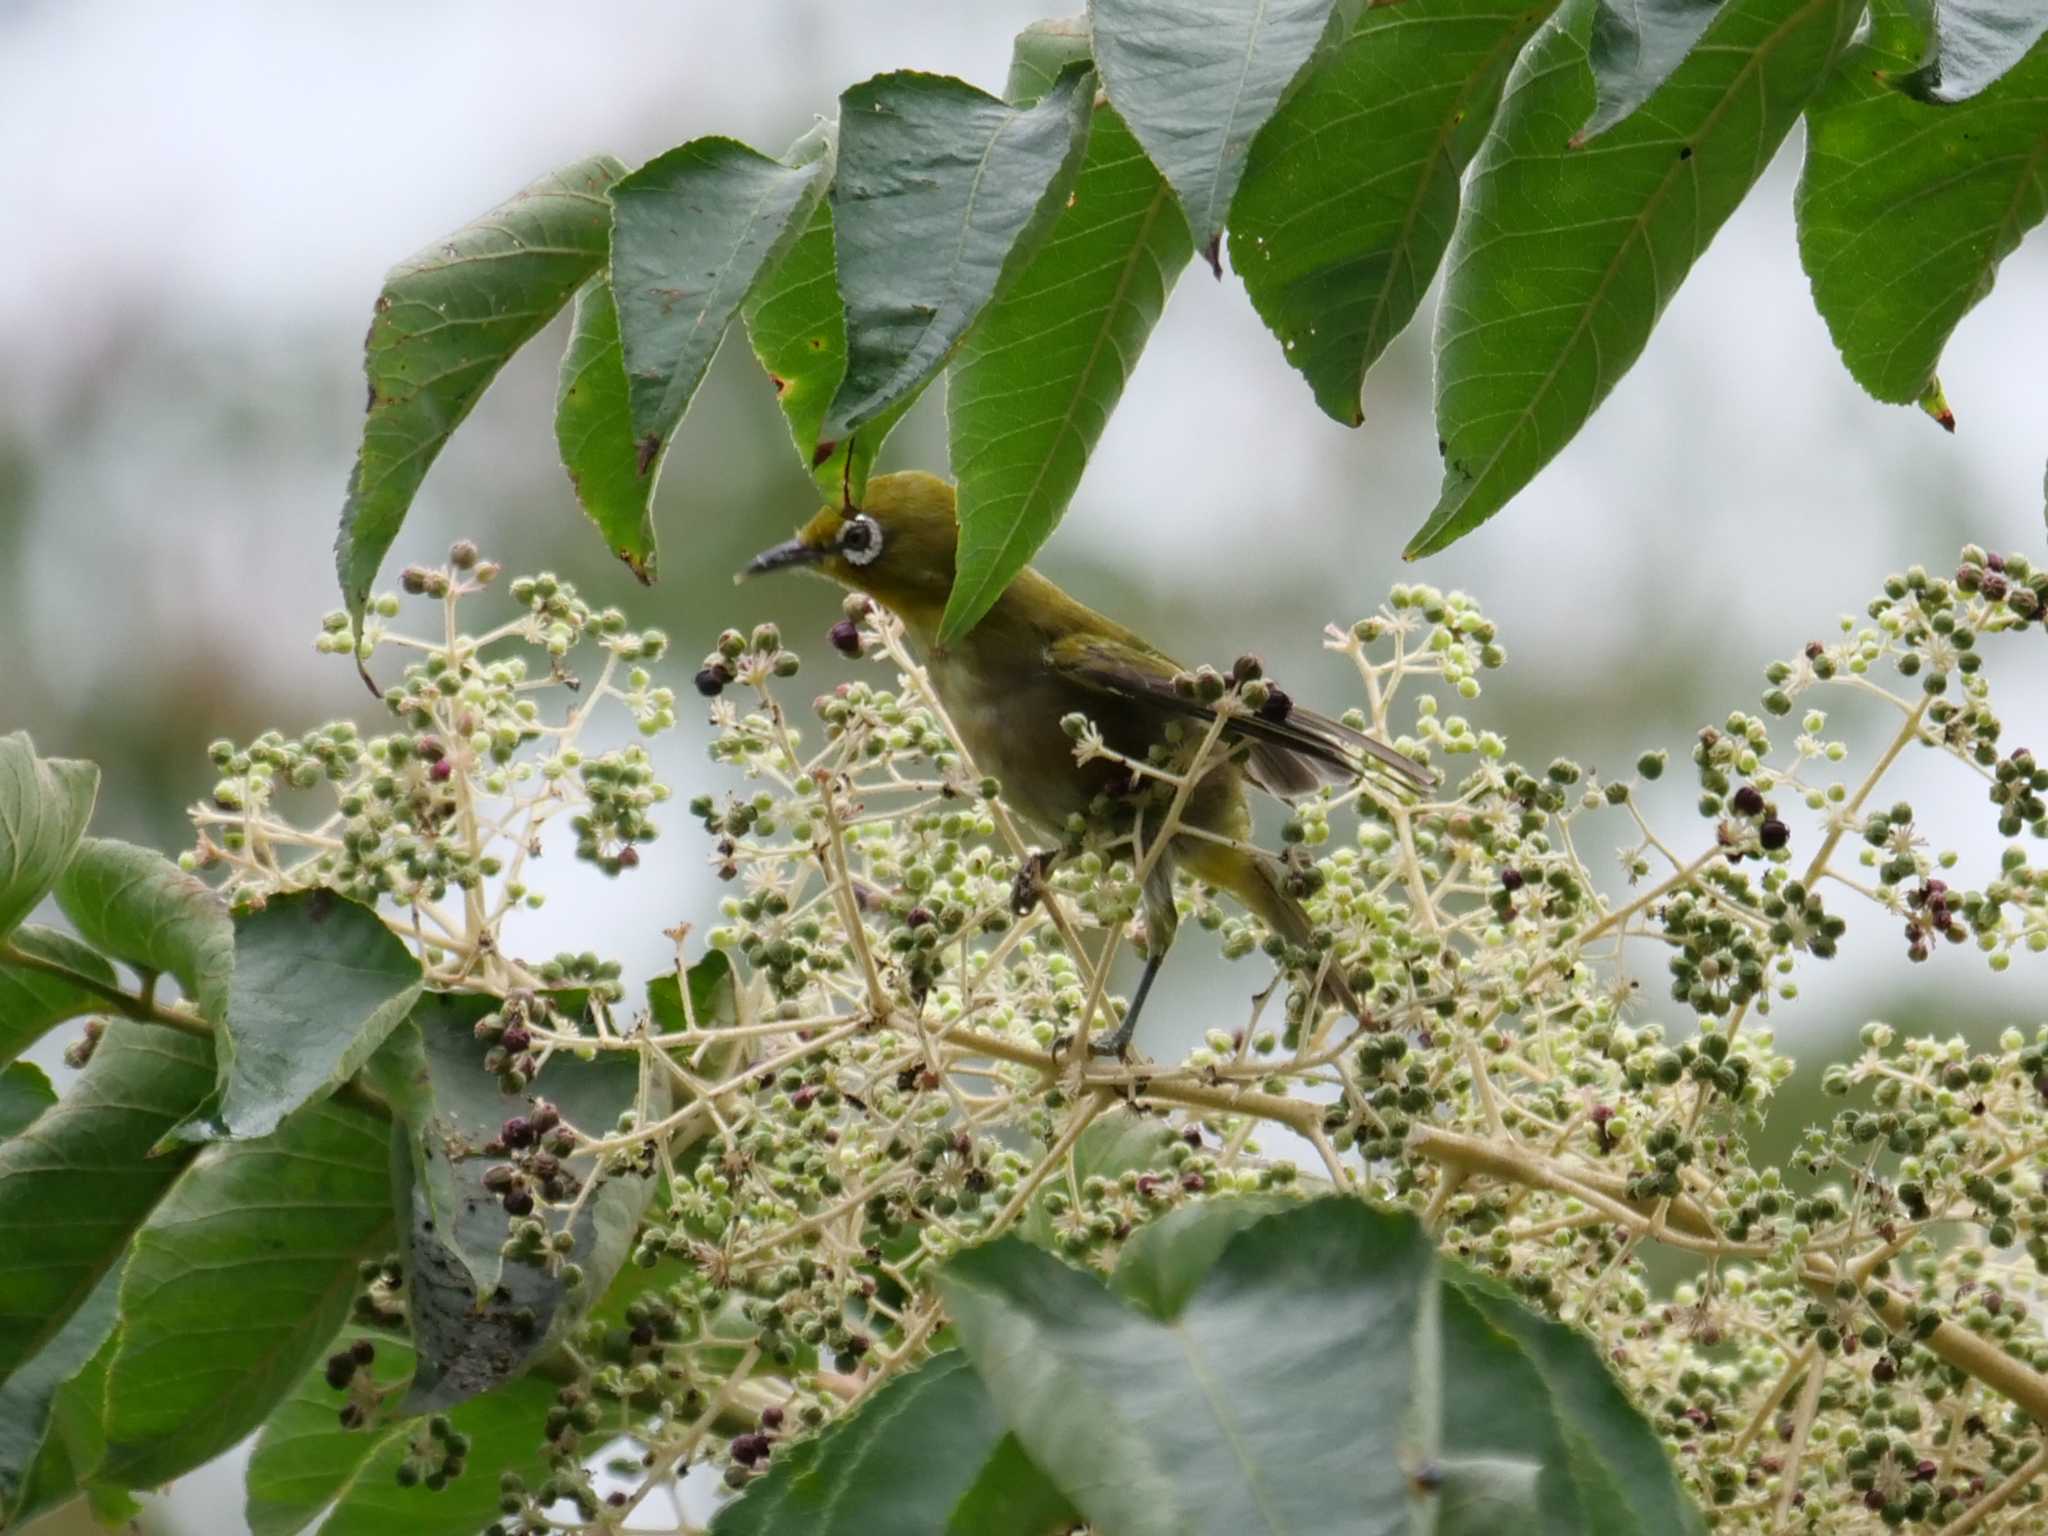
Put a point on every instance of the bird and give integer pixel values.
(1039, 657)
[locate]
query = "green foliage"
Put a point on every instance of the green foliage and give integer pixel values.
(25, 1092)
(1906, 209)
(1975, 43)
(34, 999)
(1636, 45)
(594, 431)
(44, 806)
(139, 907)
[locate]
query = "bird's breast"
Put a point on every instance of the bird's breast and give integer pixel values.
(1007, 710)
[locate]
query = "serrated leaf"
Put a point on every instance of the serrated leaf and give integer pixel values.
(1975, 43)
(943, 193)
(446, 321)
(25, 1092)
(594, 432)
(1614, 1450)
(45, 803)
(305, 1462)
(1036, 379)
(1197, 80)
(50, 1432)
(692, 231)
(1351, 191)
(33, 1000)
(1564, 258)
(1906, 209)
(1636, 46)
(319, 981)
(1245, 1411)
(77, 1183)
(136, 905)
(480, 1319)
(237, 1283)
(927, 1453)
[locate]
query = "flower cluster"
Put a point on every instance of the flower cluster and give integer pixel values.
(896, 1065)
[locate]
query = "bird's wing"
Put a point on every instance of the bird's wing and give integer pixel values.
(1290, 754)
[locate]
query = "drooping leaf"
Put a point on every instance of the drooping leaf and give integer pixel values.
(943, 193)
(692, 231)
(1564, 258)
(1636, 46)
(237, 1283)
(50, 1410)
(1351, 191)
(1166, 1259)
(1246, 1410)
(1975, 43)
(136, 905)
(305, 1461)
(1906, 209)
(928, 1454)
(77, 1183)
(33, 1000)
(1196, 80)
(1036, 379)
(446, 321)
(1626, 1481)
(25, 1092)
(319, 981)
(45, 803)
(594, 431)
(479, 1318)
(796, 324)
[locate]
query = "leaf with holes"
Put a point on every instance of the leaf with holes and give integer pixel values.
(1351, 192)
(238, 1282)
(77, 1183)
(446, 321)
(1564, 259)
(943, 194)
(45, 803)
(136, 905)
(1036, 379)
(1906, 209)
(1196, 80)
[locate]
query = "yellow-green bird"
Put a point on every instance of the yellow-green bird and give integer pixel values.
(1040, 656)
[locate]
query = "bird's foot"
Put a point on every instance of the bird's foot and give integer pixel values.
(1116, 1044)
(1030, 884)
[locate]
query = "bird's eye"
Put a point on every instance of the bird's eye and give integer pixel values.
(861, 539)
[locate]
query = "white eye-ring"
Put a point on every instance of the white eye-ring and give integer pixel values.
(861, 539)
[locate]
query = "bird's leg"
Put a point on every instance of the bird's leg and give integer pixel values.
(1030, 884)
(1119, 1041)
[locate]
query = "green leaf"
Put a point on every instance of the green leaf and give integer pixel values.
(1906, 210)
(1618, 1463)
(712, 1002)
(1037, 378)
(446, 321)
(1477, 1495)
(1244, 1412)
(236, 1284)
(1975, 43)
(594, 432)
(138, 906)
(1564, 259)
(1197, 80)
(1351, 191)
(77, 1183)
(319, 981)
(25, 1092)
(1508, 1444)
(32, 1000)
(305, 1461)
(479, 1319)
(692, 231)
(50, 1432)
(943, 194)
(1114, 1144)
(1636, 46)
(1166, 1259)
(927, 1453)
(45, 803)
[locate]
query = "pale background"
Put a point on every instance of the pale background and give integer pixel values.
(202, 200)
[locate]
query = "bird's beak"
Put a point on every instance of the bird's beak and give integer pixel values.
(793, 552)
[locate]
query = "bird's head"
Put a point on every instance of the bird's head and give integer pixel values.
(896, 546)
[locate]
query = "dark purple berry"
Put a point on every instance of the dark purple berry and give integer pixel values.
(1748, 801)
(845, 637)
(1277, 706)
(518, 1202)
(712, 680)
(1773, 834)
(363, 1351)
(517, 1131)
